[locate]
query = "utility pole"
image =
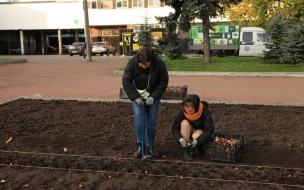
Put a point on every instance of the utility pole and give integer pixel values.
(87, 31)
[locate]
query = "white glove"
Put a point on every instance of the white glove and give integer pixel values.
(194, 143)
(183, 142)
(139, 102)
(149, 101)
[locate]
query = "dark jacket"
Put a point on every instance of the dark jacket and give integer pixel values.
(204, 123)
(134, 75)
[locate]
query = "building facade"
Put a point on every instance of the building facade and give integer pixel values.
(32, 26)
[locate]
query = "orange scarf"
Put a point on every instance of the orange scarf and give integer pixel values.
(196, 115)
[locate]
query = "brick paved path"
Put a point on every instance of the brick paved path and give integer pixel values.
(71, 77)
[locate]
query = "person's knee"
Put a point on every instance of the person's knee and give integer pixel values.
(196, 134)
(185, 122)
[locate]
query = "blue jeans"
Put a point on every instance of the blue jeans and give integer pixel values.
(150, 121)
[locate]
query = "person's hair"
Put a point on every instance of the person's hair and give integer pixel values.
(188, 104)
(145, 55)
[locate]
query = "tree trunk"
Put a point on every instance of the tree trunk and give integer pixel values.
(206, 45)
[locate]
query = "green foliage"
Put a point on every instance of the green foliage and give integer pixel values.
(174, 52)
(5, 59)
(231, 64)
(169, 44)
(294, 46)
(277, 30)
(145, 35)
(287, 41)
(260, 12)
(146, 40)
(293, 9)
(183, 17)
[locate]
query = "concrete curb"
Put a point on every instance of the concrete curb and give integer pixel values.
(12, 100)
(241, 74)
(164, 101)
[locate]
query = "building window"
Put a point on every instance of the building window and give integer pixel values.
(100, 4)
(122, 4)
(94, 5)
(106, 4)
(153, 3)
(138, 3)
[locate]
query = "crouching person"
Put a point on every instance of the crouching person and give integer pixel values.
(193, 126)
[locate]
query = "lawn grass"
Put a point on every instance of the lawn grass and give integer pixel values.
(5, 59)
(230, 64)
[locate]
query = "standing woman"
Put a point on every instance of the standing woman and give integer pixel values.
(145, 79)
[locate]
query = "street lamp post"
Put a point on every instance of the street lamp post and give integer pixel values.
(87, 31)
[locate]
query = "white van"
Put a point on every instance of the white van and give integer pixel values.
(252, 41)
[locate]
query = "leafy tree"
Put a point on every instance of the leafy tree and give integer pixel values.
(186, 11)
(294, 46)
(172, 48)
(261, 12)
(277, 30)
(145, 35)
(145, 38)
(293, 9)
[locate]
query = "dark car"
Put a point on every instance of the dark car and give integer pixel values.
(65, 48)
(51, 49)
(16, 50)
(76, 48)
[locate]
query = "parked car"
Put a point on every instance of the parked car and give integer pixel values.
(65, 48)
(103, 48)
(16, 50)
(76, 48)
(51, 49)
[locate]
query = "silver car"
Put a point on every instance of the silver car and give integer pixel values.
(103, 48)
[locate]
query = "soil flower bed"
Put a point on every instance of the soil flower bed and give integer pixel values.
(60, 144)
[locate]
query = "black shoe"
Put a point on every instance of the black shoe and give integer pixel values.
(138, 153)
(152, 152)
(200, 149)
(188, 154)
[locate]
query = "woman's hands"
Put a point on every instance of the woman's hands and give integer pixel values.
(139, 102)
(183, 142)
(149, 101)
(194, 143)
